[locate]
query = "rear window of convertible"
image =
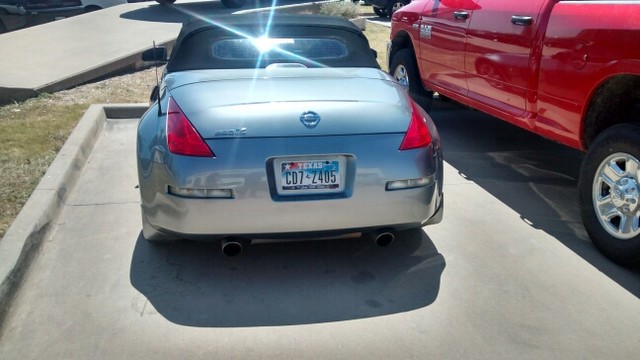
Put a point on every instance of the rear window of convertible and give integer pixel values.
(279, 49)
(249, 48)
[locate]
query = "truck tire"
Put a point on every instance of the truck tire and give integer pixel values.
(395, 5)
(405, 70)
(609, 191)
(233, 4)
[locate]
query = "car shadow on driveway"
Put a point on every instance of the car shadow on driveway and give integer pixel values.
(535, 177)
(286, 283)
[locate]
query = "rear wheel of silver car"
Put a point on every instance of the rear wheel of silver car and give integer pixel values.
(405, 70)
(609, 191)
(395, 5)
(165, 2)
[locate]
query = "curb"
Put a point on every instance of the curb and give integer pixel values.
(23, 239)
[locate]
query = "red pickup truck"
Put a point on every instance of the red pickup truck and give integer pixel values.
(566, 70)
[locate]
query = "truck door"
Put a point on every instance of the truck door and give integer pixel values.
(443, 27)
(498, 51)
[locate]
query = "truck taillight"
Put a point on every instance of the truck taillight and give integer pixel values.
(182, 137)
(418, 134)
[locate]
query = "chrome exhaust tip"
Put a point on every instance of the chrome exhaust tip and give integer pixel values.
(233, 246)
(384, 238)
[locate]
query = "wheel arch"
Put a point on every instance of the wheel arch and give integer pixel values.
(402, 40)
(616, 100)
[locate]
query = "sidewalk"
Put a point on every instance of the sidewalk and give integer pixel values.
(65, 53)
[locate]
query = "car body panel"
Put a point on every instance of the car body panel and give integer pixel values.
(253, 120)
(446, 40)
(215, 105)
(567, 70)
(498, 51)
(580, 51)
(253, 210)
(540, 76)
(17, 14)
(53, 7)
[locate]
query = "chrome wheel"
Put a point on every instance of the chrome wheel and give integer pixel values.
(400, 73)
(404, 69)
(396, 6)
(616, 195)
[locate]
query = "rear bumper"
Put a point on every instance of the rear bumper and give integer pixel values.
(217, 218)
(250, 206)
(439, 215)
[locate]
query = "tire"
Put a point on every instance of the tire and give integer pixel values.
(395, 5)
(609, 193)
(405, 70)
(380, 12)
(165, 2)
(233, 4)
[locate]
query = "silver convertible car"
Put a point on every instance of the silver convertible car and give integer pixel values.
(283, 126)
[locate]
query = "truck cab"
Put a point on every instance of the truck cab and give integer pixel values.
(566, 70)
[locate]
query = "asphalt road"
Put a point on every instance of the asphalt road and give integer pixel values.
(509, 273)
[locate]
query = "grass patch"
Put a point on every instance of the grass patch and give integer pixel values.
(346, 9)
(32, 132)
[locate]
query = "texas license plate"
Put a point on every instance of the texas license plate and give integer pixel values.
(310, 176)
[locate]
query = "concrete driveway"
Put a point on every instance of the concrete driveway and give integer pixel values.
(509, 273)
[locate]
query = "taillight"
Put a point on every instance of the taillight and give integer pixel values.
(418, 134)
(182, 137)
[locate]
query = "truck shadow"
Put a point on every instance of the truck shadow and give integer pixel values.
(535, 177)
(286, 283)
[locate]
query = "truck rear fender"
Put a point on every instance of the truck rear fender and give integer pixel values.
(615, 100)
(402, 40)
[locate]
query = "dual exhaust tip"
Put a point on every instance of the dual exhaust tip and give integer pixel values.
(233, 246)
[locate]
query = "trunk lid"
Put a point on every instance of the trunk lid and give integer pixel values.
(267, 103)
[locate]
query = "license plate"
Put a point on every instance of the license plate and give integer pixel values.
(310, 176)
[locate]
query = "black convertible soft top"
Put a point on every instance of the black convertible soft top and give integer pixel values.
(228, 42)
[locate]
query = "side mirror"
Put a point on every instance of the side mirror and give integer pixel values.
(156, 54)
(375, 53)
(155, 94)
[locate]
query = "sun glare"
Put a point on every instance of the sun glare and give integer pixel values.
(265, 44)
